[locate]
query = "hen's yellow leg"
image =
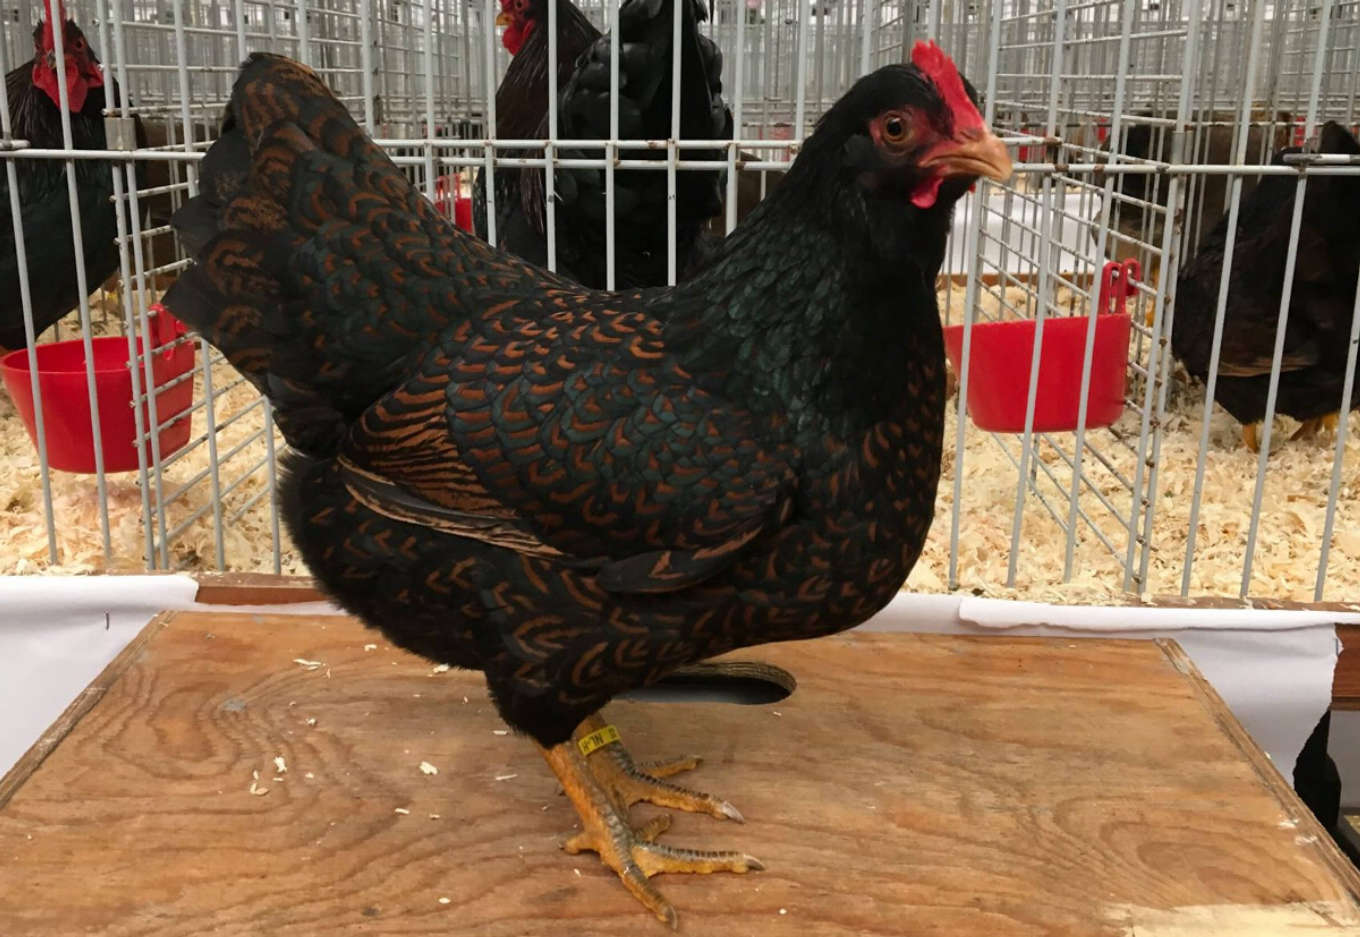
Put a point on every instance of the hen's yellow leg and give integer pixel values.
(1249, 436)
(630, 782)
(1310, 428)
(632, 853)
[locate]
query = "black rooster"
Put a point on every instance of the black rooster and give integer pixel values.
(579, 492)
(640, 197)
(1321, 304)
(35, 116)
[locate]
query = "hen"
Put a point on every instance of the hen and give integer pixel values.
(1131, 227)
(640, 196)
(1321, 305)
(579, 492)
(45, 206)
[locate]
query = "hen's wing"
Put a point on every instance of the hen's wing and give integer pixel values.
(557, 428)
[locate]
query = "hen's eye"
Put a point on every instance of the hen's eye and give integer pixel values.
(894, 130)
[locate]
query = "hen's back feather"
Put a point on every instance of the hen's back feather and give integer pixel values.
(321, 269)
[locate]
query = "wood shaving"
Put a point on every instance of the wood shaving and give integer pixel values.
(308, 664)
(311, 721)
(280, 765)
(255, 788)
(370, 647)
(500, 731)
(309, 776)
(402, 810)
(445, 900)
(427, 768)
(506, 777)
(440, 668)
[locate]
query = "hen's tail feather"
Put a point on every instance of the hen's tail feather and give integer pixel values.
(319, 269)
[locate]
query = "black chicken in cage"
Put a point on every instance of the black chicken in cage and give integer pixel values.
(35, 116)
(641, 249)
(1321, 303)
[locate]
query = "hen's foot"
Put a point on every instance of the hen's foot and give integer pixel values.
(629, 782)
(1249, 436)
(1310, 428)
(632, 853)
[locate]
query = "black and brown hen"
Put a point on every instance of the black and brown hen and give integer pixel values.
(579, 492)
(1321, 304)
(641, 256)
(44, 202)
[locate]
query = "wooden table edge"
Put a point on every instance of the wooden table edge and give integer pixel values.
(48, 742)
(255, 589)
(1329, 853)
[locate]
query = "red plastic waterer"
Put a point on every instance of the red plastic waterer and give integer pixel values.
(462, 204)
(999, 365)
(66, 397)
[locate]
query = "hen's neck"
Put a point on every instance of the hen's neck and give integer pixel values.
(792, 315)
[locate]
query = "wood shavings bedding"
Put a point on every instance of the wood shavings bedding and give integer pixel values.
(1289, 539)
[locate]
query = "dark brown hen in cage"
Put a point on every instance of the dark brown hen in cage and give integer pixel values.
(1321, 303)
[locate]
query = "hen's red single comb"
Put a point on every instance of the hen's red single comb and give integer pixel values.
(939, 68)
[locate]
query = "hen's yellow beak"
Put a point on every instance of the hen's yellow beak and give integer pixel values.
(975, 152)
(503, 19)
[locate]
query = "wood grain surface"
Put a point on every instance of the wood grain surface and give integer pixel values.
(911, 785)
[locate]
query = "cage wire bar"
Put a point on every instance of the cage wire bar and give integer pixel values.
(1128, 117)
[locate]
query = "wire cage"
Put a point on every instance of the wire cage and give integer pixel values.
(1138, 124)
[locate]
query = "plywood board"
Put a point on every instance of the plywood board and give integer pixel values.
(912, 784)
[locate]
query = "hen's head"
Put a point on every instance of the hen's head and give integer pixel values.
(520, 18)
(906, 141)
(82, 68)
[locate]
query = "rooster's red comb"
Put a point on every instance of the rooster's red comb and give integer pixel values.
(53, 12)
(940, 69)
